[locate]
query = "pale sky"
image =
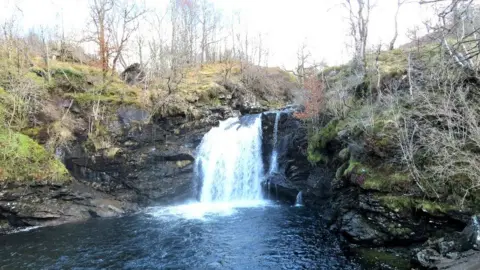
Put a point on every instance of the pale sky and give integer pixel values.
(286, 23)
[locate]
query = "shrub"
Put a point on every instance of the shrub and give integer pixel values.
(314, 100)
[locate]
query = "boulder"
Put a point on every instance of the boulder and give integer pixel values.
(458, 250)
(133, 74)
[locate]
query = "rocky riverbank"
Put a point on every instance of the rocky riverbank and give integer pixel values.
(381, 225)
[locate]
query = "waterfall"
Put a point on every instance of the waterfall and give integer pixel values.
(274, 156)
(229, 161)
(299, 199)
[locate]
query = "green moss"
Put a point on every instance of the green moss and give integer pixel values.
(398, 230)
(404, 203)
(397, 203)
(318, 141)
(88, 97)
(274, 104)
(383, 178)
(434, 208)
(36, 163)
(32, 132)
(71, 74)
(37, 80)
(382, 259)
(352, 165)
(316, 157)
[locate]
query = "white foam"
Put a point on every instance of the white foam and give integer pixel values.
(203, 211)
(24, 229)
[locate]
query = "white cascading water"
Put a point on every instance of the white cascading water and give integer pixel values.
(274, 156)
(299, 199)
(229, 162)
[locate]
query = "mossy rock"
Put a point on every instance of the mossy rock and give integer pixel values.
(22, 159)
(405, 204)
(383, 178)
(317, 142)
(381, 259)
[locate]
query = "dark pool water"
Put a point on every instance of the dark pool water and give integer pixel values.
(182, 237)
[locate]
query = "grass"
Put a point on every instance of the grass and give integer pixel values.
(23, 159)
(201, 83)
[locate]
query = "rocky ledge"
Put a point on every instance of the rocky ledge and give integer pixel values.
(44, 204)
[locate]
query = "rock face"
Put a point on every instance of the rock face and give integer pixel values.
(43, 204)
(355, 193)
(294, 173)
(155, 161)
(458, 250)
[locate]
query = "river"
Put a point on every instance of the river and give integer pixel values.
(263, 235)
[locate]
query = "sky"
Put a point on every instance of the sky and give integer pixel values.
(285, 24)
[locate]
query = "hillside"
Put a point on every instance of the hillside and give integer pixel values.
(402, 144)
(92, 136)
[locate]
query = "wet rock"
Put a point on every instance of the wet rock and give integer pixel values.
(430, 258)
(457, 250)
(471, 234)
(357, 229)
(24, 205)
(294, 171)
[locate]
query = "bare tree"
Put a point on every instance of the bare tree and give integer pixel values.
(209, 20)
(113, 25)
(395, 33)
(46, 51)
(100, 16)
(459, 28)
(303, 56)
(359, 18)
(123, 24)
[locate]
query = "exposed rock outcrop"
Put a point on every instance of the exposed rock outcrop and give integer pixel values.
(458, 250)
(133, 74)
(294, 173)
(368, 203)
(153, 162)
(44, 204)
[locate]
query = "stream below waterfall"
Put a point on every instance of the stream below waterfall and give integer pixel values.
(197, 236)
